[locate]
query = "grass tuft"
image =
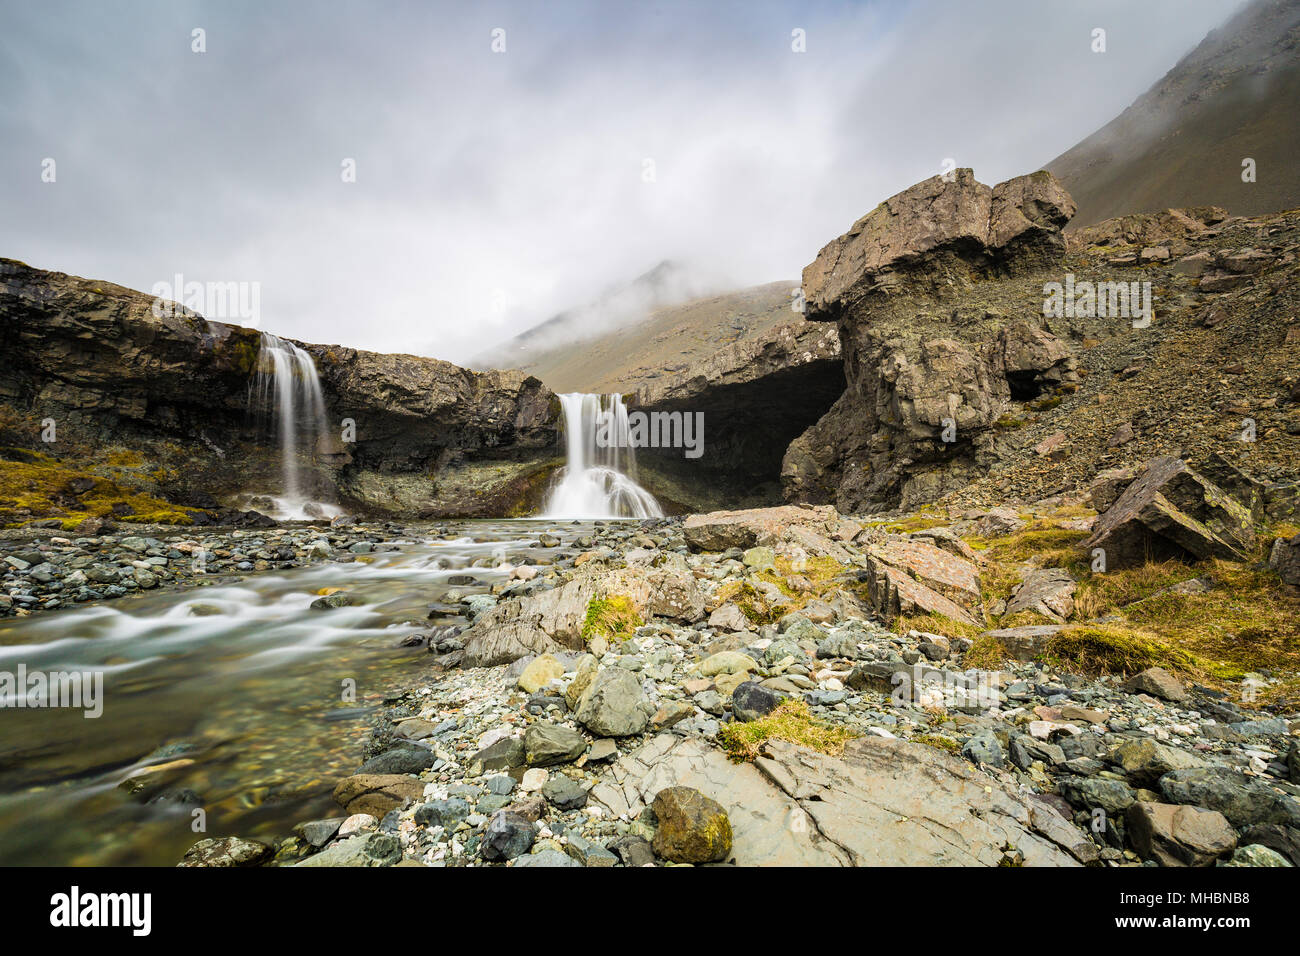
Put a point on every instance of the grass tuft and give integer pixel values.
(791, 721)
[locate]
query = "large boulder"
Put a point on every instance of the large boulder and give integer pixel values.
(951, 221)
(1284, 558)
(552, 620)
(692, 828)
(1179, 835)
(614, 705)
(1172, 511)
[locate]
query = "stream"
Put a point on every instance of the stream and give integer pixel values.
(240, 686)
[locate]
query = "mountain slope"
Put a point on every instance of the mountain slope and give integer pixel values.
(1182, 142)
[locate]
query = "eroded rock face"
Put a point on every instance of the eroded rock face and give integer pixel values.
(925, 384)
(431, 437)
(936, 230)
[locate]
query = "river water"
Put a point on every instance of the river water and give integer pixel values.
(241, 683)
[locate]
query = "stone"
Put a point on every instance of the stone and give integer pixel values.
(1243, 800)
(983, 749)
(1157, 682)
(507, 835)
(547, 744)
(502, 754)
(1172, 511)
(1284, 558)
(670, 713)
(729, 617)
(692, 828)
(548, 857)
(590, 853)
(720, 530)
(564, 793)
(376, 794)
(226, 852)
(442, 813)
(759, 558)
(1045, 591)
(727, 662)
(539, 673)
(1179, 835)
(750, 701)
(533, 780)
(1145, 760)
(614, 705)
(1091, 792)
(316, 833)
(1256, 855)
(401, 759)
(1024, 643)
(634, 851)
(371, 849)
(585, 669)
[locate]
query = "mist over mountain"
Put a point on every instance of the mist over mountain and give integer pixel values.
(1183, 142)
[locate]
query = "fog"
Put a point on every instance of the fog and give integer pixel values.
(496, 188)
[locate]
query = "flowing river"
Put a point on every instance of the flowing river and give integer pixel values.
(241, 686)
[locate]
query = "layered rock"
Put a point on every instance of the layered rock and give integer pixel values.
(926, 377)
(430, 437)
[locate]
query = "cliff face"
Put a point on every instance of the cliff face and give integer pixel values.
(94, 358)
(930, 363)
(962, 383)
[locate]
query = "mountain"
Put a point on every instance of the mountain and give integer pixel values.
(623, 305)
(1182, 143)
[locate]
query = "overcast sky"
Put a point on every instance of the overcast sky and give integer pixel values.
(496, 188)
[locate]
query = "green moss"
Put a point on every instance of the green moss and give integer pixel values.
(939, 743)
(614, 617)
(791, 721)
(1115, 649)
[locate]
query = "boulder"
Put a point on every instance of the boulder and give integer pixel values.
(371, 849)
(1045, 591)
(1284, 558)
(1243, 800)
(226, 851)
(1157, 682)
(750, 701)
(539, 673)
(1172, 511)
(1024, 643)
(547, 744)
(507, 835)
(377, 793)
(1179, 835)
(692, 828)
(614, 705)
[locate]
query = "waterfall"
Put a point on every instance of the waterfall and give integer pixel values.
(599, 478)
(286, 391)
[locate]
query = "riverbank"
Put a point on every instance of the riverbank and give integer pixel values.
(818, 708)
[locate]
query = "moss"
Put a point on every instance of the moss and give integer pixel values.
(1009, 421)
(1115, 649)
(939, 743)
(934, 624)
(791, 721)
(613, 617)
(985, 653)
(38, 488)
(817, 577)
(1044, 404)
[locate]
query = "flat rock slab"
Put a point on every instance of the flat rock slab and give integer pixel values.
(882, 803)
(720, 530)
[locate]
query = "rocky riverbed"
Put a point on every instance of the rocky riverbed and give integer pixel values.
(793, 686)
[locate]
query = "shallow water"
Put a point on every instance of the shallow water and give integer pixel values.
(253, 697)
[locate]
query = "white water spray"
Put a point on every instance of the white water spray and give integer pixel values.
(598, 479)
(287, 390)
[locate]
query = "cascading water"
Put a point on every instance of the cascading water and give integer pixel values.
(286, 390)
(599, 476)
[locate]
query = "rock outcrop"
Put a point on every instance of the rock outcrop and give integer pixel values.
(926, 378)
(96, 359)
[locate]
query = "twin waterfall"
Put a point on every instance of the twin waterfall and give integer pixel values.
(286, 390)
(599, 476)
(598, 479)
